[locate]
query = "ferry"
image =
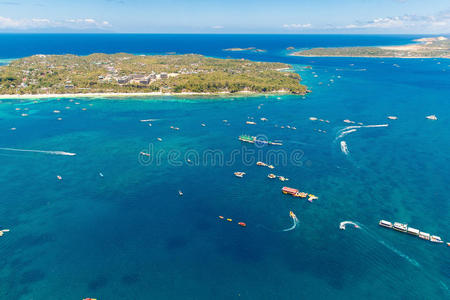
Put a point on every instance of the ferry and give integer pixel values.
(400, 227)
(386, 224)
(413, 231)
(290, 191)
(424, 235)
(435, 239)
(294, 192)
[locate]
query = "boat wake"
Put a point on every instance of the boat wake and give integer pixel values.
(294, 221)
(399, 253)
(344, 148)
(344, 133)
(343, 224)
(40, 151)
(349, 129)
(390, 247)
(294, 224)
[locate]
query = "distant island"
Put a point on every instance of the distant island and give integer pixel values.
(251, 49)
(139, 74)
(434, 47)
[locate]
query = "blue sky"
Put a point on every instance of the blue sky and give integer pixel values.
(226, 16)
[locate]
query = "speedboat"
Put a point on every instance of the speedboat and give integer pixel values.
(180, 193)
(239, 174)
(435, 239)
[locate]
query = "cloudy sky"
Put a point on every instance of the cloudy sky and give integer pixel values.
(226, 16)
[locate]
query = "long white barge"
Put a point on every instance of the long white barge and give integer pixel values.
(410, 230)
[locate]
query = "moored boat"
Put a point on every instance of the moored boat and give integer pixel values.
(435, 239)
(242, 224)
(424, 235)
(271, 176)
(290, 191)
(386, 224)
(413, 231)
(400, 227)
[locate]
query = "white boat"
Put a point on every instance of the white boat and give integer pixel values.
(386, 224)
(413, 231)
(424, 235)
(435, 239)
(400, 227)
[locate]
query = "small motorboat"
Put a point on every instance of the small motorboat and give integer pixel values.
(145, 154)
(229, 220)
(272, 176)
(180, 193)
(282, 178)
(448, 244)
(221, 217)
(239, 174)
(312, 198)
(59, 177)
(242, 224)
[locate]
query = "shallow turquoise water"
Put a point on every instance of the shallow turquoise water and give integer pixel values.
(128, 235)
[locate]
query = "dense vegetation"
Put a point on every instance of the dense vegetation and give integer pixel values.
(103, 73)
(437, 49)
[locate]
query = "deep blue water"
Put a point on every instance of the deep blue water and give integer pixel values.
(128, 235)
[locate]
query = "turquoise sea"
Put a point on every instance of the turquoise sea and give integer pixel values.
(115, 227)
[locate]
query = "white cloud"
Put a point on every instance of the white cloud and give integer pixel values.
(297, 26)
(42, 23)
(217, 27)
(439, 21)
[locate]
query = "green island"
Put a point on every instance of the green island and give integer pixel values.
(251, 49)
(164, 74)
(435, 47)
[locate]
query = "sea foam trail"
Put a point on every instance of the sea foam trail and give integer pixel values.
(401, 254)
(40, 151)
(392, 248)
(295, 222)
(344, 147)
(344, 133)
